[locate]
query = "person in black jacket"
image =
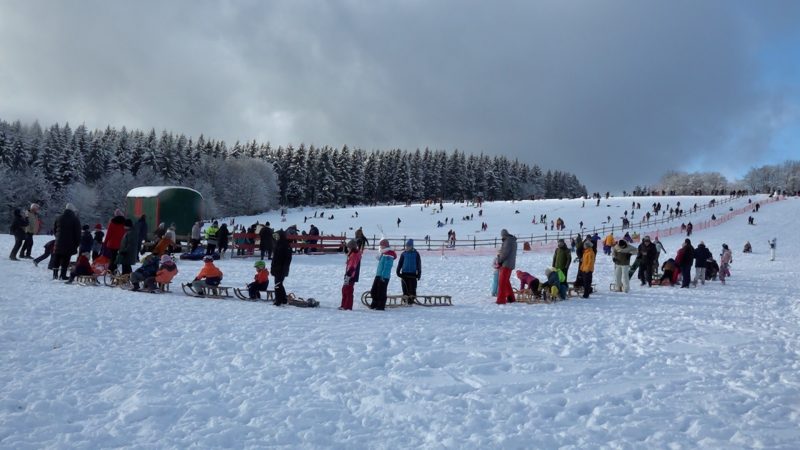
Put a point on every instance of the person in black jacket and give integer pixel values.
(648, 254)
(687, 258)
(86, 240)
(223, 234)
(18, 224)
(68, 238)
(265, 242)
(281, 260)
(701, 257)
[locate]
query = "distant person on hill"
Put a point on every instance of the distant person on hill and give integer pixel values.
(725, 260)
(747, 248)
(507, 260)
(361, 239)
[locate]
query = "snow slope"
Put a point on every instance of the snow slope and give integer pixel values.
(716, 366)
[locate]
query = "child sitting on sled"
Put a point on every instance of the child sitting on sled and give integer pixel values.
(82, 268)
(209, 275)
(166, 272)
(260, 281)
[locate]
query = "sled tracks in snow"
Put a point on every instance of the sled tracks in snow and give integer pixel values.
(396, 301)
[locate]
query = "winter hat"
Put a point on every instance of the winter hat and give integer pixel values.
(384, 243)
(504, 233)
(166, 259)
(352, 244)
(410, 243)
(688, 241)
(588, 244)
(647, 238)
(128, 223)
(97, 226)
(725, 246)
(623, 243)
(85, 227)
(34, 207)
(260, 265)
(118, 212)
(71, 207)
(208, 258)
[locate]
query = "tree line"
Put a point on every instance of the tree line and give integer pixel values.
(94, 169)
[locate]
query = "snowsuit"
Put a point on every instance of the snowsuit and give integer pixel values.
(260, 283)
(725, 262)
(701, 256)
(164, 275)
(383, 272)
(622, 265)
(82, 268)
(507, 260)
(68, 238)
(409, 270)
(265, 242)
(352, 269)
(209, 276)
(147, 270)
(18, 225)
(586, 270)
(281, 260)
(529, 281)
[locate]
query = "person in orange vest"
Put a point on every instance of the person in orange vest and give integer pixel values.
(209, 276)
(587, 268)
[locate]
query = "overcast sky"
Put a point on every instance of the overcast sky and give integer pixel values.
(617, 92)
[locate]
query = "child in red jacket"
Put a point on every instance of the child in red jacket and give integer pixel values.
(260, 281)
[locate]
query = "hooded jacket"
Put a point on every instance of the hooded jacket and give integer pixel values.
(701, 256)
(281, 257)
(68, 233)
(587, 261)
(114, 233)
(562, 257)
(508, 251)
(385, 261)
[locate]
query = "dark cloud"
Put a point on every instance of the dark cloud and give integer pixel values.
(597, 88)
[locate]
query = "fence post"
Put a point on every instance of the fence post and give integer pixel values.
(474, 244)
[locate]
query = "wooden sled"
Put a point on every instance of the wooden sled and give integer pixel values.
(210, 292)
(527, 296)
(87, 280)
(396, 301)
(113, 280)
(242, 294)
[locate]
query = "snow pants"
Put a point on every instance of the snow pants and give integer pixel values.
(27, 246)
(699, 275)
(254, 288)
(505, 294)
(347, 296)
(378, 293)
(586, 277)
(724, 271)
(686, 276)
(280, 291)
(621, 279)
(409, 284)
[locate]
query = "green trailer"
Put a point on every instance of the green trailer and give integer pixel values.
(168, 204)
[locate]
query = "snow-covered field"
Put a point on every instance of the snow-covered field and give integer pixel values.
(715, 367)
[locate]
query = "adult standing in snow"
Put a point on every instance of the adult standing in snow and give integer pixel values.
(211, 237)
(772, 245)
(648, 253)
(409, 270)
(508, 261)
(586, 270)
(281, 260)
(352, 270)
(562, 256)
(18, 225)
(113, 240)
(685, 259)
(222, 239)
(361, 239)
(127, 256)
(701, 257)
(621, 255)
(68, 238)
(32, 229)
(725, 260)
(265, 241)
(383, 273)
(98, 236)
(141, 232)
(195, 236)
